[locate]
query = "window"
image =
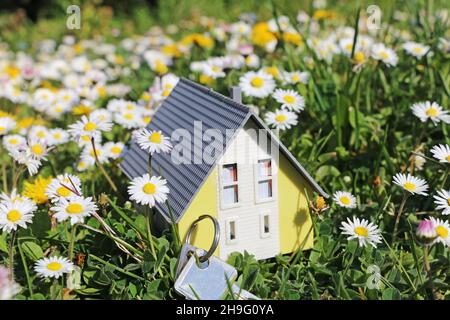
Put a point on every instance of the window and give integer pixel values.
(265, 225)
(230, 192)
(231, 231)
(265, 179)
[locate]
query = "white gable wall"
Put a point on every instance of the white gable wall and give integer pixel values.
(248, 213)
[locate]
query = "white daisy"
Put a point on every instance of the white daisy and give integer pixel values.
(88, 127)
(25, 158)
(130, 119)
(53, 267)
(289, 99)
(152, 141)
(113, 149)
(64, 186)
(387, 55)
(363, 230)
(430, 110)
(88, 154)
(37, 148)
(344, 199)
(416, 49)
(441, 228)
(38, 133)
(411, 184)
(13, 141)
(75, 208)
(295, 77)
(213, 71)
(148, 190)
(16, 213)
(442, 201)
(281, 119)
(257, 84)
(6, 125)
(57, 136)
(441, 152)
(13, 197)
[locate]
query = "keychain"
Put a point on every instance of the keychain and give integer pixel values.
(202, 276)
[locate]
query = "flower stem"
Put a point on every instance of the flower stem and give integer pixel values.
(11, 255)
(150, 238)
(427, 267)
(73, 233)
(102, 169)
(25, 268)
(445, 178)
(397, 218)
(150, 164)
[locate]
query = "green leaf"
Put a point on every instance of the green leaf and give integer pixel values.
(391, 294)
(3, 244)
(32, 250)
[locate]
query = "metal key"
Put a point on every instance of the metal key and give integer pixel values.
(207, 281)
(200, 275)
(186, 251)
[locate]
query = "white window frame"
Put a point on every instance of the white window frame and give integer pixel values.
(228, 230)
(222, 185)
(257, 179)
(263, 233)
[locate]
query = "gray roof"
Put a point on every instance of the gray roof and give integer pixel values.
(189, 102)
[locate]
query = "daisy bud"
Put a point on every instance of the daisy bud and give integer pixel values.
(426, 232)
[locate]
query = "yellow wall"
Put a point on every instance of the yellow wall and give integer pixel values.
(295, 222)
(205, 202)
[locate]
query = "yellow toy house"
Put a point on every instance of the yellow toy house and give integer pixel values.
(228, 164)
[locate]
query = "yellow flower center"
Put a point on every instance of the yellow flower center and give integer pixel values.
(128, 116)
(432, 112)
(359, 57)
(90, 126)
(97, 151)
(85, 138)
(345, 200)
(130, 106)
(12, 141)
(63, 191)
(295, 77)
(166, 92)
(442, 232)
(257, 82)
(384, 55)
(74, 208)
(149, 188)
(155, 137)
(116, 150)
(41, 134)
(289, 99)
(362, 231)
(14, 216)
(417, 50)
(2, 129)
(448, 201)
(57, 136)
(280, 118)
(54, 266)
(37, 149)
(409, 186)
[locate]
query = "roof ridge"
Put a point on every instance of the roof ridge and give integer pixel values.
(215, 94)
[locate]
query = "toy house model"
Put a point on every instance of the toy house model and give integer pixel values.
(259, 199)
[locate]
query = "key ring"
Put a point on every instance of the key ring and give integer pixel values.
(215, 243)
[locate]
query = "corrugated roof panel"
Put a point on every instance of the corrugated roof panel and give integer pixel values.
(186, 104)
